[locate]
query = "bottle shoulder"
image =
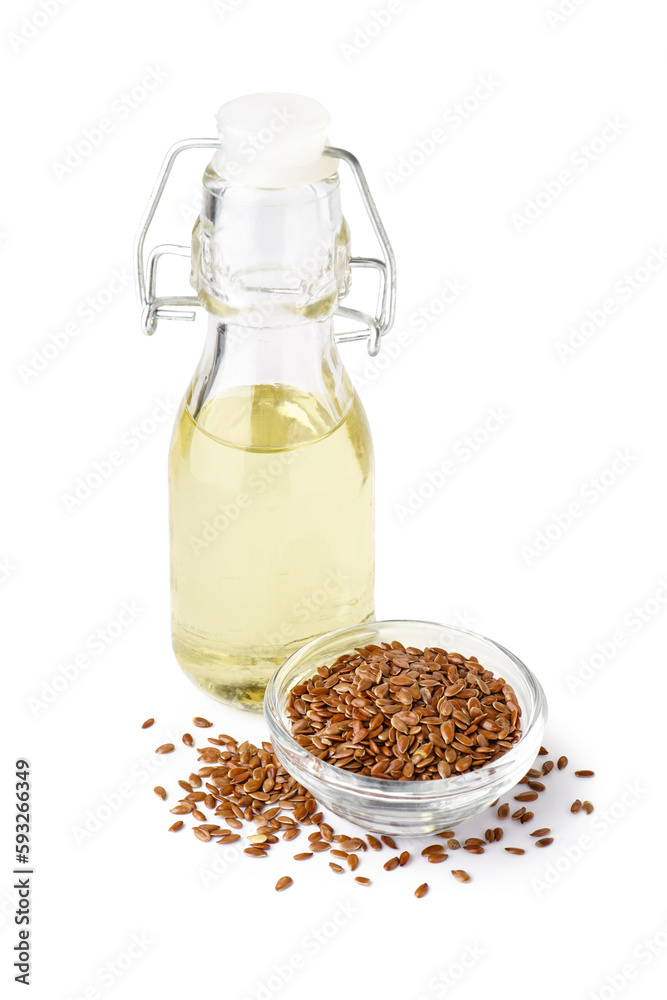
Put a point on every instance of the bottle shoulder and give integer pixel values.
(272, 417)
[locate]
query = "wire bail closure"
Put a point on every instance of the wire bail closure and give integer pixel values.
(155, 307)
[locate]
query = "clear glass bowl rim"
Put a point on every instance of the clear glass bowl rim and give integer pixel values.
(533, 716)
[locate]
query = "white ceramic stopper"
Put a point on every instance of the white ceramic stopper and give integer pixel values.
(273, 140)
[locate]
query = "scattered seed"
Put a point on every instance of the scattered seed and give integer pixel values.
(201, 723)
(460, 875)
(283, 883)
(584, 774)
(542, 752)
(239, 783)
(361, 880)
(421, 890)
(433, 849)
(352, 844)
(147, 724)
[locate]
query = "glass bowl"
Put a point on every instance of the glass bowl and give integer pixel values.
(405, 808)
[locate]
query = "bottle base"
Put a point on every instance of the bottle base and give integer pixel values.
(224, 678)
(249, 697)
(234, 679)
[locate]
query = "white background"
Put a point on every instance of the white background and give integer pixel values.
(467, 554)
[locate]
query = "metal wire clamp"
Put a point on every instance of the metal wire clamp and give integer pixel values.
(156, 307)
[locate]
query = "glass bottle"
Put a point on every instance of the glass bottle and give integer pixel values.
(271, 460)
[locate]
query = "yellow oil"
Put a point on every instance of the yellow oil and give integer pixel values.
(271, 519)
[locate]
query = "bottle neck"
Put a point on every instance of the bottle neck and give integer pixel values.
(270, 266)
